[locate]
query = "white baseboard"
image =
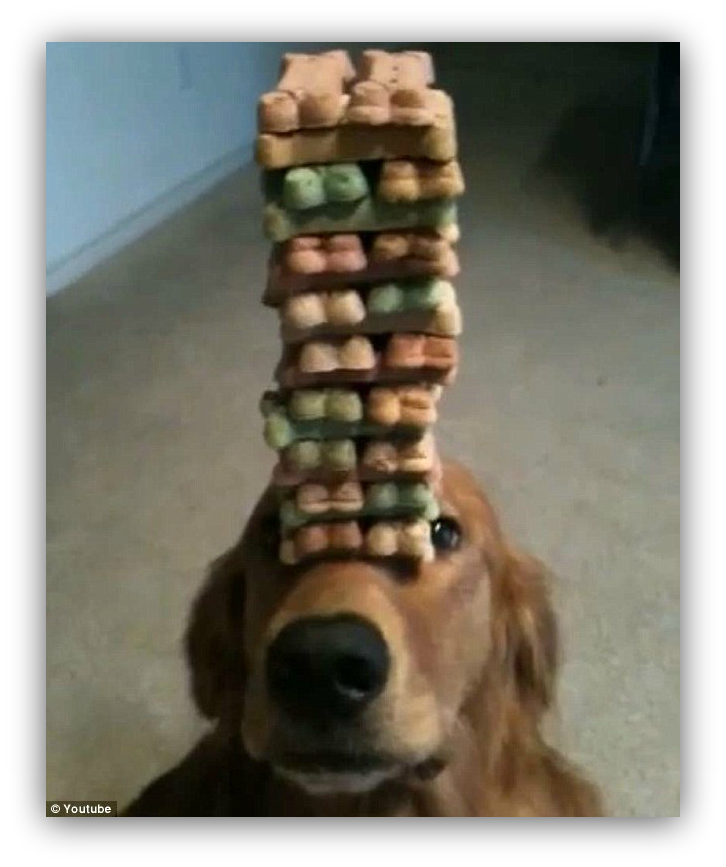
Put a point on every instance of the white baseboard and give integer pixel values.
(59, 274)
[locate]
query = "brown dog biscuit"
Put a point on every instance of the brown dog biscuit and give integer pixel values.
(394, 89)
(390, 458)
(345, 535)
(417, 405)
(404, 358)
(349, 142)
(315, 254)
(397, 467)
(383, 406)
(313, 499)
(407, 405)
(306, 263)
(342, 312)
(412, 180)
(309, 540)
(346, 497)
(310, 93)
(406, 539)
(418, 456)
(420, 350)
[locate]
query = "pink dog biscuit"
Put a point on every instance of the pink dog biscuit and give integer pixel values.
(406, 539)
(333, 261)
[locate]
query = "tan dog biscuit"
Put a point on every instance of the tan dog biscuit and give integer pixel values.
(341, 312)
(309, 94)
(359, 142)
(405, 358)
(412, 180)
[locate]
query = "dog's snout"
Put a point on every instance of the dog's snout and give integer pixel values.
(327, 666)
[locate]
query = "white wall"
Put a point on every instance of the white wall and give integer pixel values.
(135, 130)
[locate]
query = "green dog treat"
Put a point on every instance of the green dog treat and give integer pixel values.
(365, 215)
(278, 431)
(423, 295)
(303, 188)
(387, 298)
(306, 187)
(305, 454)
(344, 417)
(382, 500)
(338, 454)
(417, 496)
(344, 182)
(382, 496)
(343, 405)
(307, 403)
(290, 515)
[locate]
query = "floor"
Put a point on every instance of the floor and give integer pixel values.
(567, 406)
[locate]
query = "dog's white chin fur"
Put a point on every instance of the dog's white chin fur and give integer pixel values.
(335, 783)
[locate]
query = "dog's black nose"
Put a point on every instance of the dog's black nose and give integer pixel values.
(327, 666)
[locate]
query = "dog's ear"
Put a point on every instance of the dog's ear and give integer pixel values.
(213, 639)
(525, 631)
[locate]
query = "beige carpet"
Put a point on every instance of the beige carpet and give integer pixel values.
(567, 406)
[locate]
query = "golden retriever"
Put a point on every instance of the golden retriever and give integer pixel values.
(361, 688)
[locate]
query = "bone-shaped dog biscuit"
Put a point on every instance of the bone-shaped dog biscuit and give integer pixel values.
(387, 499)
(309, 94)
(339, 414)
(427, 305)
(411, 180)
(411, 539)
(312, 460)
(307, 263)
(394, 89)
(403, 357)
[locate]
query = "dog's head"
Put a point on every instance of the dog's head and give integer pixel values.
(342, 674)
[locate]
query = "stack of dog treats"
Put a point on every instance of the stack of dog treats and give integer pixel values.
(360, 184)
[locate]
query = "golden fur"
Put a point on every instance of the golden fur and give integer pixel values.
(473, 646)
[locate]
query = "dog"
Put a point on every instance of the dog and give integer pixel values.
(368, 688)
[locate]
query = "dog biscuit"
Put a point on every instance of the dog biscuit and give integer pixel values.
(367, 214)
(428, 306)
(319, 114)
(409, 539)
(399, 358)
(412, 180)
(302, 188)
(316, 501)
(358, 460)
(308, 263)
(310, 92)
(339, 414)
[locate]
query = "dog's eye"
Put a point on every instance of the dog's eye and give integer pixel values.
(445, 534)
